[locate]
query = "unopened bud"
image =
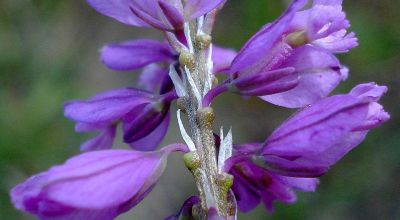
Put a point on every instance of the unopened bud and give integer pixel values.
(206, 116)
(186, 59)
(225, 180)
(192, 160)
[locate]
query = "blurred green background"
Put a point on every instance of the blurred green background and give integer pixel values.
(49, 54)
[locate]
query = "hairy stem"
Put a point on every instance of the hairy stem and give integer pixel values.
(196, 65)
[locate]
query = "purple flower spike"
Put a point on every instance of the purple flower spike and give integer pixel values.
(94, 185)
(132, 55)
(317, 137)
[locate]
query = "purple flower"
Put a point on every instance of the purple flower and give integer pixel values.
(323, 25)
(319, 74)
(283, 44)
(306, 76)
(160, 14)
(317, 137)
(145, 117)
(304, 147)
(253, 185)
(135, 54)
(94, 185)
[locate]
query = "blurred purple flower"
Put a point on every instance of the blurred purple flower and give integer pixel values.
(94, 185)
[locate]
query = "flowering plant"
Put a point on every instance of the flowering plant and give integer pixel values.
(289, 62)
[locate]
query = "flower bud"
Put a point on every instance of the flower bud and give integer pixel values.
(91, 186)
(186, 59)
(203, 41)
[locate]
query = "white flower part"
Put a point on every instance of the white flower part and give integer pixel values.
(200, 24)
(324, 28)
(174, 42)
(184, 134)
(221, 134)
(186, 29)
(177, 81)
(210, 66)
(195, 90)
(225, 150)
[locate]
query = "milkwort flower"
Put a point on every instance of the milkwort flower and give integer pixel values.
(145, 117)
(299, 45)
(304, 147)
(290, 62)
(94, 185)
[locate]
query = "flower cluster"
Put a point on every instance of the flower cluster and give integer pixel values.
(289, 62)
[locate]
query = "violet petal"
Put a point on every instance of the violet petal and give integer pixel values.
(84, 187)
(196, 8)
(317, 128)
(319, 73)
(117, 9)
(106, 107)
(153, 139)
(222, 58)
(135, 54)
(103, 141)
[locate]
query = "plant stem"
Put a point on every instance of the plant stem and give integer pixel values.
(196, 64)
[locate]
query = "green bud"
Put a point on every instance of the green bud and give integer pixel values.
(186, 59)
(206, 116)
(192, 160)
(203, 41)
